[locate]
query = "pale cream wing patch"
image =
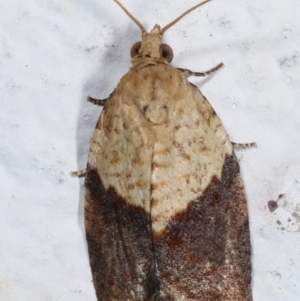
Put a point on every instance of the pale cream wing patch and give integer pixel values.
(120, 150)
(158, 142)
(189, 150)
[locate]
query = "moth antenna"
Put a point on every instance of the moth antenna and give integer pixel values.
(142, 28)
(180, 17)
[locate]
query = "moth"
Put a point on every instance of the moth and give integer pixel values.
(165, 209)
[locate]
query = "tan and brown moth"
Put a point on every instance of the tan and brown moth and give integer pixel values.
(165, 214)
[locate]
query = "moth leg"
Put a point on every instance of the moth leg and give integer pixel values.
(98, 102)
(79, 173)
(191, 73)
(239, 146)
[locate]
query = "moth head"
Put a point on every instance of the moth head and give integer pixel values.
(151, 45)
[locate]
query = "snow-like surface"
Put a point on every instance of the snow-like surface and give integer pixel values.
(56, 52)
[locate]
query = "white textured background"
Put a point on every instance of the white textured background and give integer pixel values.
(53, 53)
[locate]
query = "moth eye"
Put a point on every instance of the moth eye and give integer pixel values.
(135, 49)
(166, 52)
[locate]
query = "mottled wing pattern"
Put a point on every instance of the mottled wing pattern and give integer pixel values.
(166, 214)
(204, 253)
(118, 229)
(119, 242)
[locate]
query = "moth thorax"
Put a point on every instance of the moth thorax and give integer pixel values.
(156, 113)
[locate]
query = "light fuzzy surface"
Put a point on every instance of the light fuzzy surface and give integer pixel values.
(149, 142)
(55, 53)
